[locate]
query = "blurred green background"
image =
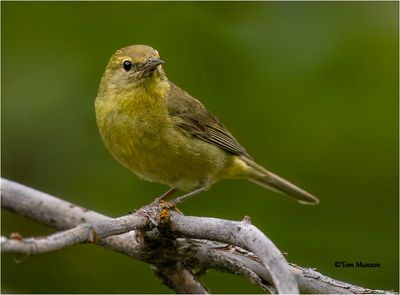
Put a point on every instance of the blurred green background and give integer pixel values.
(309, 88)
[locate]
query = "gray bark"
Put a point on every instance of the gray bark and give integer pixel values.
(184, 243)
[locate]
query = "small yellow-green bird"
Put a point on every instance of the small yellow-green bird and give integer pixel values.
(162, 134)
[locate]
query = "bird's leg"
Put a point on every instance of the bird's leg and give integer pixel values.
(162, 200)
(167, 194)
(185, 197)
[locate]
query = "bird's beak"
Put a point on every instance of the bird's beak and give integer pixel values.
(151, 64)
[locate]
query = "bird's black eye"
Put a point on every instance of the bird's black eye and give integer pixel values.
(127, 65)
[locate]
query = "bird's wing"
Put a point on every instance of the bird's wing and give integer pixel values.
(196, 120)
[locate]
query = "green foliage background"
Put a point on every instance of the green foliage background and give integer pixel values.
(309, 88)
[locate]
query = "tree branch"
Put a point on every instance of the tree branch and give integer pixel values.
(176, 257)
(240, 234)
(181, 279)
(244, 235)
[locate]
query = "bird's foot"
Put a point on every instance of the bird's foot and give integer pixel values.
(164, 214)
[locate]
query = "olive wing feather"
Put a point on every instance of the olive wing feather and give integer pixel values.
(195, 119)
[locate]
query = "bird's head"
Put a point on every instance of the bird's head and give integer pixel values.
(132, 66)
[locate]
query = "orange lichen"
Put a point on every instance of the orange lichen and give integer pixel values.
(164, 215)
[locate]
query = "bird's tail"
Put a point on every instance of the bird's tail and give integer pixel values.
(263, 177)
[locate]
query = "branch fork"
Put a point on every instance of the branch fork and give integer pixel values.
(175, 245)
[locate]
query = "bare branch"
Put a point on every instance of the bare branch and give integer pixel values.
(51, 243)
(184, 254)
(314, 282)
(228, 258)
(45, 208)
(85, 232)
(244, 235)
(181, 279)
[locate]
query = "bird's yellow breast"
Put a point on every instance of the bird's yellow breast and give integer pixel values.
(140, 133)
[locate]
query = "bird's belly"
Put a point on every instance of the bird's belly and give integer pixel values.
(164, 154)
